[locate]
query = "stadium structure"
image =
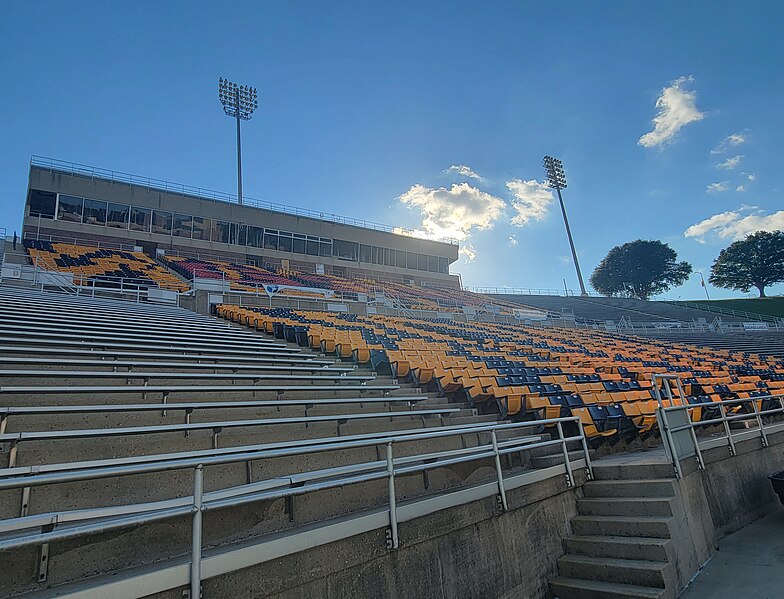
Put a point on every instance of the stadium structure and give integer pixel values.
(201, 398)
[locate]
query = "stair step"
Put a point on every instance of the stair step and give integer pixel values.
(564, 587)
(606, 569)
(621, 471)
(646, 487)
(622, 526)
(554, 459)
(635, 548)
(624, 506)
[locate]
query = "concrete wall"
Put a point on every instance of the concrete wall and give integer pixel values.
(471, 550)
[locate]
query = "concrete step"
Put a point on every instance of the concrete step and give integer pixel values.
(565, 587)
(613, 470)
(553, 459)
(624, 506)
(635, 548)
(622, 526)
(650, 487)
(623, 571)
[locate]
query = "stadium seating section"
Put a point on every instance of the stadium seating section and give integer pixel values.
(92, 265)
(604, 379)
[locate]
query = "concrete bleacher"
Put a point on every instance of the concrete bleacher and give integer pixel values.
(612, 308)
(94, 388)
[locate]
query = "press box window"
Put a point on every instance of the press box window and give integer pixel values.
(42, 203)
(70, 209)
(183, 225)
(94, 212)
(117, 216)
(140, 219)
(161, 222)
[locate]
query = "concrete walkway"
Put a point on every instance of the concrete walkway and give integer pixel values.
(749, 564)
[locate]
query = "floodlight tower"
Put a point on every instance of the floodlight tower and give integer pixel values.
(556, 179)
(239, 101)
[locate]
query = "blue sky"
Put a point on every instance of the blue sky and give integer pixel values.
(365, 106)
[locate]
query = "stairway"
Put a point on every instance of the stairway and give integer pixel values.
(621, 546)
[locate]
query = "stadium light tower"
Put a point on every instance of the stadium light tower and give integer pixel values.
(239, 101)
(556, 180)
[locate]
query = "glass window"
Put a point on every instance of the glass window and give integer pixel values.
(389, 257)
(162, 222)
(400, 259)
(432, 263)
(140, 219)
(345, 249)
(312, 248)
(42, 203)
(443, 265)
(255, 236)
(242, 234)
(94, 212)
(201, 228)
(270, 239)
(285, 242)
(421, 262)
(183, 225)
(117, 216)
(299, 244)
(325, 249)
(70, 208)
(365, 253)
(411, 260)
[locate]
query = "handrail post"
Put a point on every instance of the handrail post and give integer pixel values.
(664, 427)
(759, 421)
(727, 429)
(393, 541)
(567, 464)
(499, 471)
(196, 539)
(586, 451)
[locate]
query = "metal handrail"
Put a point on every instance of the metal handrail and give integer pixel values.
(93, 172)
(725, 418)
(297, 484)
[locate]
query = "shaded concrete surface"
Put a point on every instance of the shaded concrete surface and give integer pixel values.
(749, 563)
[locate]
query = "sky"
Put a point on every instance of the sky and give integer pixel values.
(432, 116)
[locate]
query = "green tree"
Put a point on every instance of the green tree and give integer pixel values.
(757, 261)
(639, 269)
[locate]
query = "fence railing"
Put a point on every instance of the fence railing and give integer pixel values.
(679, 429)
(57, 526)
(94, 172)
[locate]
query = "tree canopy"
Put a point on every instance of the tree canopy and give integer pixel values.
(757, 261)
(639, 269)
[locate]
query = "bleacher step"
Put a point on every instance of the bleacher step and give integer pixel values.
(662, 487)
(565, 587)
(545, 461)
(623, 526)
(644, 471)
(624, 506)
(624, 571)
(634, 548)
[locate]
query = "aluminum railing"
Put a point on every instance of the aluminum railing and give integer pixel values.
(746, 409)
(77, 523)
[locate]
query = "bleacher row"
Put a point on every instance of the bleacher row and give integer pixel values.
(99, 399)
(104, 266)
(603, 379)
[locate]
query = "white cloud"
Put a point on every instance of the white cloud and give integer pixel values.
(730, 141)
(565, 259)
(677, 108)
(468, 252)
(736, 224)
(730, 163)
(751, 176)
(463, 171)
(531, 200)
(454, 212)
(740, 188)
(718, 187)
(512, 241)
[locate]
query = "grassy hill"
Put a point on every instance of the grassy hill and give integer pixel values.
(772, 306)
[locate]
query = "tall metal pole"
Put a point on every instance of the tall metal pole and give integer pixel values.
(571, 243)
(239, 151)
(704, 286)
